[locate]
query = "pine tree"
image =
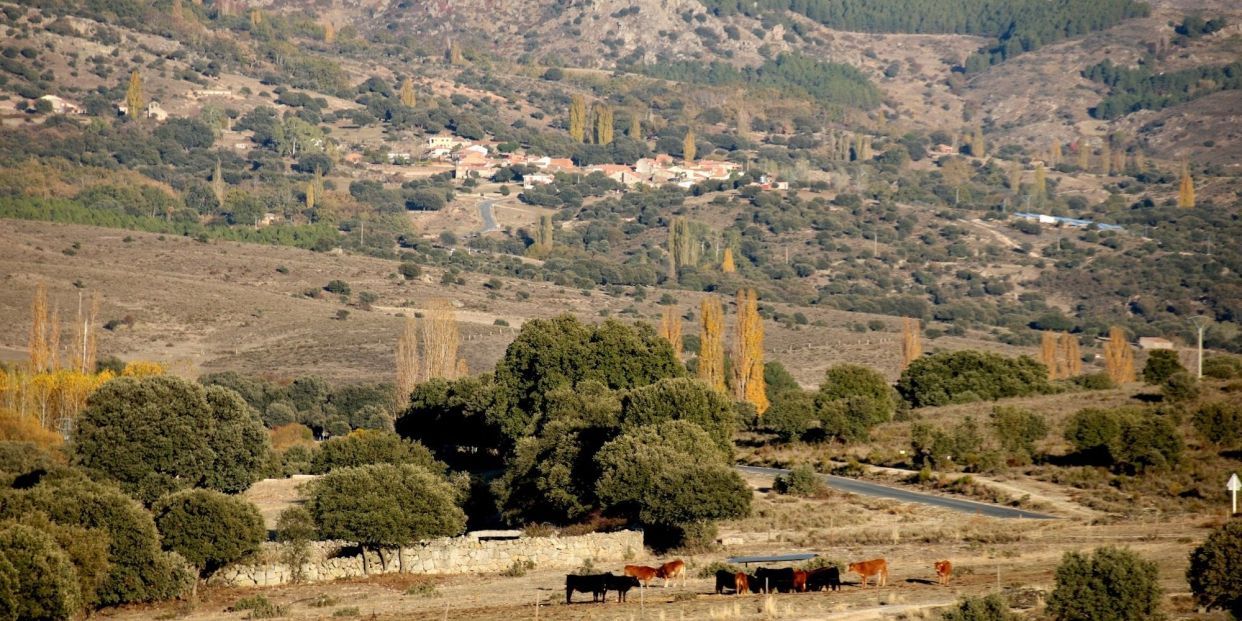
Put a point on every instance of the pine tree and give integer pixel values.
(1186, 189)
(134, 98)
(440, 340)
(911, 341)
(408, 98)
(1119, 357)
(1048, 353)
(1071, 357)
(408, 367)
(688, 147)
(39, 348)
(578, 118)
(711, 343)
(726, 264)
(748, 383)
(670, 328)
(217, 183)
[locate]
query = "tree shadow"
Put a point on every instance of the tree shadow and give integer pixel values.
(920, 581)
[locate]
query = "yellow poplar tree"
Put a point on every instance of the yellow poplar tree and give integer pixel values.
(603, 123)
(748, 384)
(726, 264)
(636, 127)
(711, 343)
(1048, 353)
(407, 362)
(142, 368)
(1186, 189)
(1106, 158)
(976, 143)
(1071, 356)
(578, 118)
(1119, 357)
(39, 349)
(1084, 155)
(1041, 182)
(407, 93)
(329, 33)
(911, 341)
(134, 99)
(688, 147)
(1054, 154)
(670, 329)
(440, 340)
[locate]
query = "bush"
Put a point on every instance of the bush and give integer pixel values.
(409, 271)
(1095, 381)
(1222, 367)
(800, 481)
(1215, 572)
(680, 398)
(295, 530)
(260, 607)
(851, 400)
(990, 608)
(1219, 422)
(338, 287)
(1180, 386)
(369, 446)
(158, 434)
(1091, 431)
(210, 529)
(1161, 364)
(1112, 584)
(1017, 431)
(1146, 442)
(964, 376)
(791, 415)
(41, 580)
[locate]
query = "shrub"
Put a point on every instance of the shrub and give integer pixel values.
(1215, 572)
(518, 568)
(1219, 422)
(295, 530)
(1095, 381)
(1017, 431)
(1147, 442)
(851, 400)
(1180, 386)
(1222, 367)
(1092, 430)
(208, 528)
(1161, 363)
(260, 607)
(1112, 584)
(800, 481)
(964, 376)
(369, 446)
(990, 608)
(938, 448)
(409, 270)
(338, 287)
(41, 580)
(791, 415)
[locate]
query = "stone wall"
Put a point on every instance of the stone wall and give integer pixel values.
(457, 555)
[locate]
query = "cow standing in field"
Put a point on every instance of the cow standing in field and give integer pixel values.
(595, 584)
(824, 577)
(781, 580)
(643, 573)
(876, 567)
(726, 579)
(944, 572)
(620, 584)
(672, 570)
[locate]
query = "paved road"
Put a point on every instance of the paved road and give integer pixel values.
(489, 220)
(865, 488)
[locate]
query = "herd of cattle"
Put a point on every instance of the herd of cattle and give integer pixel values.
(764, 580)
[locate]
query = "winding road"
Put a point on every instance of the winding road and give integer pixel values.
(489, 219)
(866, 488)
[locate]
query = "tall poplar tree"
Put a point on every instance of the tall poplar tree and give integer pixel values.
(1186, 189)
(670, 329)
(711, 343)
(748, 383)
(603, 123)
(1048, 353)
(688, 147)
(726, 264)
(1071, 357)
(408, 366)
(408, 99)
(134, 98)
(1119, 357)
(217, 183)
(911, 341)
(39, 347)
(441, 340)
(578, 118)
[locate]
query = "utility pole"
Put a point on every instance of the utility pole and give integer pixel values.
(1201, 324)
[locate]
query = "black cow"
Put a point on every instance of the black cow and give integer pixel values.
(775, 579)
(756, 586)
(824, 578)
(595, 584)
(620, 584)
(725, 579)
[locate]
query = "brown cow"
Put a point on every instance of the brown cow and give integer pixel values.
(644, 573)
(876, 567)
(671, 570)
(799, 581)
(741, 583)
(944, 571)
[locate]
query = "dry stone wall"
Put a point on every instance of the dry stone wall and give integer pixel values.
(456, 555)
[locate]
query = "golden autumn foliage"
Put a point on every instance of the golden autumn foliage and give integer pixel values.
(711, 343)
(287, 436)
(1186, 189)
(408, 99)
(748, 382)
(726, 265)
(688, 146)
(40, 331)
(1071, 356)
(140, 368)
(134, 98)
(577, 118)
(670, 329)
(1119, 357)
(911, 341)
(440, 340)
(1048, 352)
(46, 402)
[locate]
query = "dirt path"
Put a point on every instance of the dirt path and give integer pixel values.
(994, 232)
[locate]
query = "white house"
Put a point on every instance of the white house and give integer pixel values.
(61, 106)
